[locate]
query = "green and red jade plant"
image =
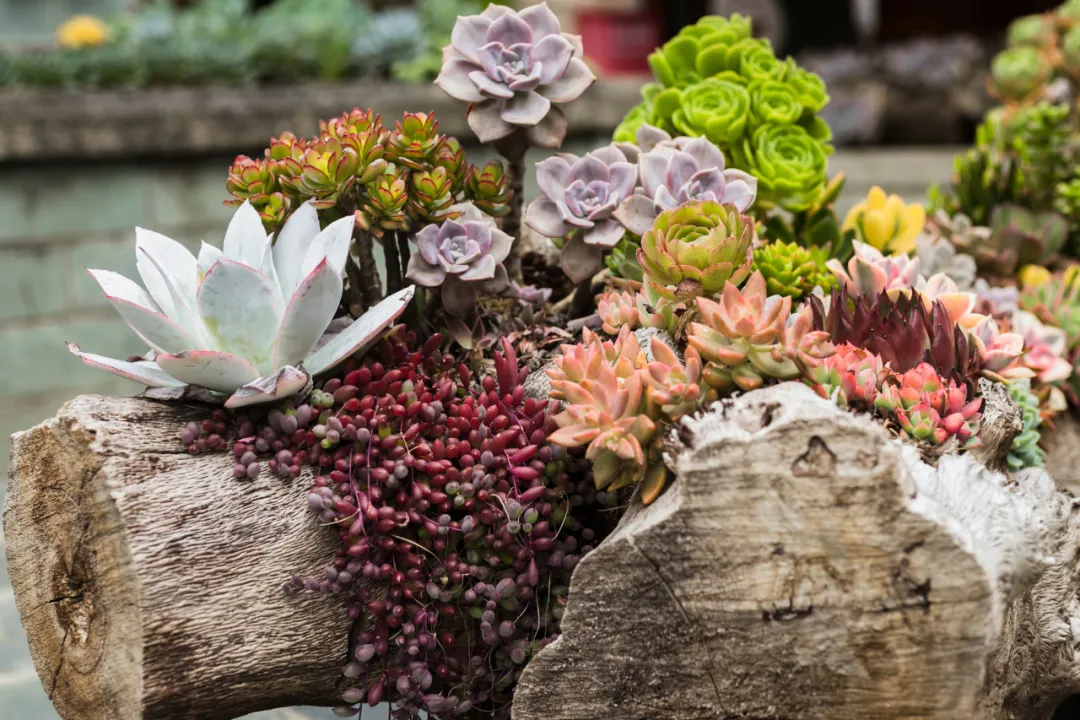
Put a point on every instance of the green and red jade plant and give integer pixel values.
(461, 502)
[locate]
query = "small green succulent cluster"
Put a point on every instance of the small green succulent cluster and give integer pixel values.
(715, 80)
(1041, 49)
(793, 270)
(1026, 157)
(1025, 451)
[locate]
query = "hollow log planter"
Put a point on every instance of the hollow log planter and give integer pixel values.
(804, 565)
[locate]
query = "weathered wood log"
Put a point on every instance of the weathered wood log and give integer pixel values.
(805, 565)
(149, 581)
(1062, 445)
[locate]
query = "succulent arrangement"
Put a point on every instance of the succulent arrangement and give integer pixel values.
(1041, 59)
(706, 235)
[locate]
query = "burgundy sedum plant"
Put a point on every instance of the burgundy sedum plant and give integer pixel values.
(513, 67)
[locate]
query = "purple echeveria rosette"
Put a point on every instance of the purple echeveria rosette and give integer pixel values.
(514, 67)
(460, 256)
(676, 171)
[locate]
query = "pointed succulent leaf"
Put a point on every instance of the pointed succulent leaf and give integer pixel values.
(360, 334)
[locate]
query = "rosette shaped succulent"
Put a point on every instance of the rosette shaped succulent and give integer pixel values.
(715, 108)
(930, 408)
(1019, 72)
(617, 309)
(581, 195)
(790, 164)
(1038, 31)
(674, 388)
(246, 320)
(695, 250)
(999, 353)
(885, 222)
(792, 270)
(489, 188)
(851, 377)
(699, 50)
(870, 273)
(459, 256)
(1025, 451)
(513, 67)
(1044, 348)
(937, 255)
(672, 175)
(743, 337)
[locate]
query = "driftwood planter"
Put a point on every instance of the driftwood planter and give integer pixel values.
(804, 565)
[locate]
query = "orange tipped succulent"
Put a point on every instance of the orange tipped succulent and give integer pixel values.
(618, 308)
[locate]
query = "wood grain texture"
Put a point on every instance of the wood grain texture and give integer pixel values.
(149, 581)
(806, 566)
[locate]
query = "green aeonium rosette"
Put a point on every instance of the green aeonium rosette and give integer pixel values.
(718, 109)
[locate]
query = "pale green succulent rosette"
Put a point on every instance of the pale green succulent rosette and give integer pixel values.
(675, 65)
(1019, 71)
(774, 102)
(754, 59)
(790, 165)
(626, 131)
(1033, 30)
(716, 109)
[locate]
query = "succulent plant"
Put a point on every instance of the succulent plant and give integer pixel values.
(792, 270)
(1057, 304)
(985, 176)
(676, 64)
(677, 171)
(513, 67)
(999, 352)
(790, 164)
(581, 195)
(695, 250)
(622, 260)
(1019, 72)
(245, 320)
(745, 337)
(604, 397)
(1045, 348)
(1038, 31)
(459, 256)
(1030, 238)
(901, 330)
(718, 109)
(851, 377)
(938, 248)
(489, 188)
(674, 388)
(870, 272)
(431, 196)
(617, 308)
(1025, 451)
(886, 223)
(82, 31)
(929, 407)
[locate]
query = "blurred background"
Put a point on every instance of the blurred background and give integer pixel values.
(118, 113)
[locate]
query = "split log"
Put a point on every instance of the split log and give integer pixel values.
(807, 566)
(804, 565)
(149, 581)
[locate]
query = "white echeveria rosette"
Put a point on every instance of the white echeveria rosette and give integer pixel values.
(514, 67)
(459, 257)
(246, 320)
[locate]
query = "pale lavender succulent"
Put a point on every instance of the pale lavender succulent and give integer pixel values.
(459, 256)
(512, 66)
(582, 194)
(677, 170)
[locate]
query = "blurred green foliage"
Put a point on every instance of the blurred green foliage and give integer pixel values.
(223, 42)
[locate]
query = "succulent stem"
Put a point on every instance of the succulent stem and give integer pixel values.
(583, 302)
(368, 276)
(393, 262)
(514, 149)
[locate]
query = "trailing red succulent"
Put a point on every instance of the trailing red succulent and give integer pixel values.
(459, 521)
(901, 330)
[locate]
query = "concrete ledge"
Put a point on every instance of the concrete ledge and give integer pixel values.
(67, 125)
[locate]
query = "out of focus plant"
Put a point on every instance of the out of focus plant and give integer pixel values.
(82, 31)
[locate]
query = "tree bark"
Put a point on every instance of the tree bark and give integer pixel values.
(1062, 445)
(804, 565)
(149, 581)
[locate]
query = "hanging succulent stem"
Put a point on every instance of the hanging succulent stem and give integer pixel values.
(368, 276)
(393, 262)
(514, 148)
(583, 302)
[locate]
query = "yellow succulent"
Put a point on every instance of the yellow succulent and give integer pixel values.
(885, 222)
(1034, 275)
(82, 31)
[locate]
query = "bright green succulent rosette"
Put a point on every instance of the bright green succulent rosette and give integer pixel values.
(790, 164)
(717, 109)
(754, 59)
(775, 102)
(675, 65)
(808, 87)
(1019, 71)
(792, 270)
(638, 116)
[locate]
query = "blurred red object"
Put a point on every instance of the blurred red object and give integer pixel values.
(618, 42)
